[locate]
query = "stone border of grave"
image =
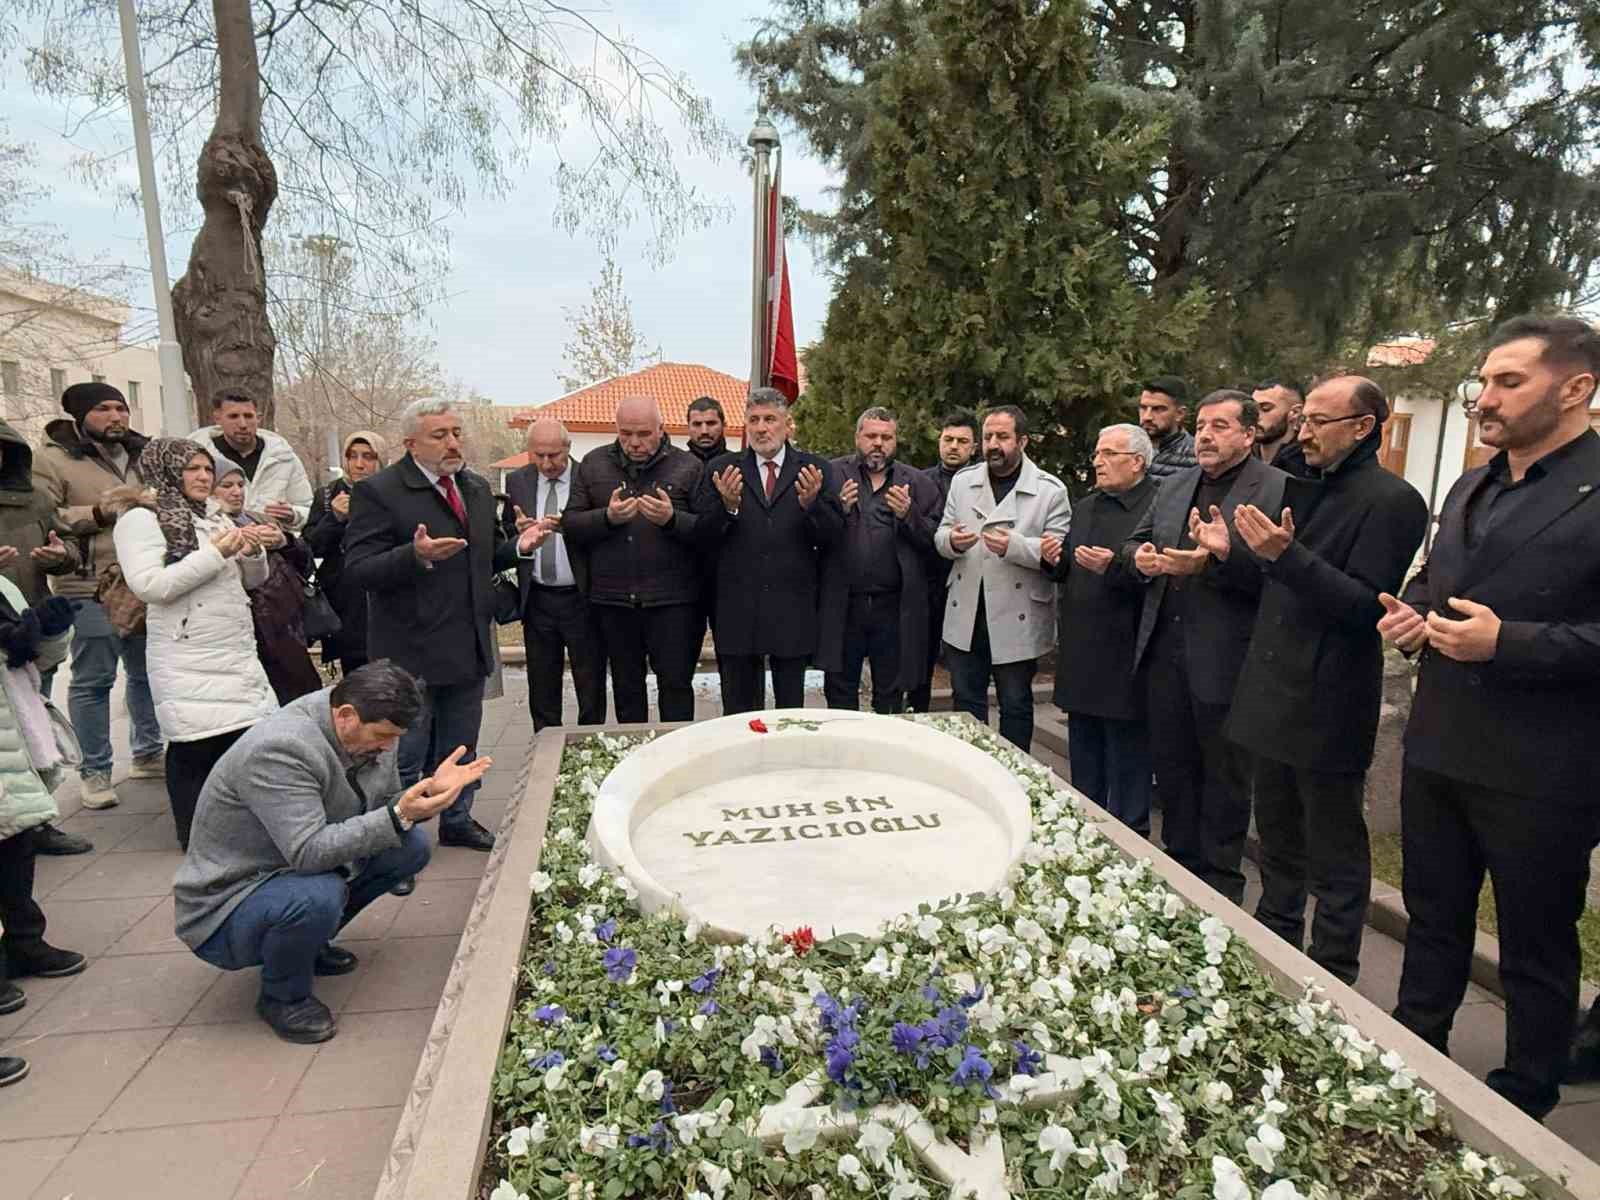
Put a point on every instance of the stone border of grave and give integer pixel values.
(442, 1136)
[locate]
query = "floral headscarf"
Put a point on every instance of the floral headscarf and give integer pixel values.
(161, 467)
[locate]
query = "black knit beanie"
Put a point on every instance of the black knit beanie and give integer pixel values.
(82, 398)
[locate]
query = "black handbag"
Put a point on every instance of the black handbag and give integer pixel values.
(507, 600)
(320, 618)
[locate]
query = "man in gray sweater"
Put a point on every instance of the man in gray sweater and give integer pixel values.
(300, 826)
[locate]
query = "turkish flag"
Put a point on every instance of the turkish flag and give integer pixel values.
(784, 369)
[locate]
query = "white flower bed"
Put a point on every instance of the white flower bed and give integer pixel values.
(1080, 1033)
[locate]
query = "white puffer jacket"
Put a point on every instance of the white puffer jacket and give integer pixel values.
(201, 648)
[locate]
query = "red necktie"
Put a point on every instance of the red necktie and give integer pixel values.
(772, 477)
(453, 499)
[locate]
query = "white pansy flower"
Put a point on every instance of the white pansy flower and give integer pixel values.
(523, 1137)
(800, 1129)
(597, 1139)
(874, 1142)
(698, 1022)
(1473, 1164)
(651, 1085)
(1506, 1185)
(717, 1178)
(1057, 1141)
(1282, 1190)
(1215, 1094)
(541, 883)
(504, 1191)
(928, 928)
(589, 875)
(1227, 1180)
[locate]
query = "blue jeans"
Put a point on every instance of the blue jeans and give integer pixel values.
(284, 923)
(1013, 684)
(96, 649)
(451, 716)
(1111, 765)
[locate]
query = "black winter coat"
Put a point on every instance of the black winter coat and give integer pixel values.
(939, 571)
(324, 534)
(1099, 614)
(435, 623)
(769, 556)
(1527, 721)
(1312, 682)
(913, 551)
(637, 564)
(1222, 605)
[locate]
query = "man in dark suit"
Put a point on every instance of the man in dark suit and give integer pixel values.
(1503, 746)
(1199, 608)
(1308, 697)
(557, 623)
(875, 579)
(958, 442)
(425, 543)
(770, 512)
(1096, 685)
(631, 520)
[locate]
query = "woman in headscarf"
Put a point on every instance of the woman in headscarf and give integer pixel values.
(191, 568)
(278, 604)
(364, 455)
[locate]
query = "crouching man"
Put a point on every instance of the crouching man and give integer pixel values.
(301, 825)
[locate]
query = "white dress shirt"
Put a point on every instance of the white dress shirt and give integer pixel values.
(555, 542)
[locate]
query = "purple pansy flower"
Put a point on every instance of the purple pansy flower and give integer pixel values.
(704, 983)
(551, 1058)
(973, 1068)
(772, 1060)
(1028, 1060)
(709, 1009)
(605, 1053)
(619, 963)
(606, 930)
(550, 1014)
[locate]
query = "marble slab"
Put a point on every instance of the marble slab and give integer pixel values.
(834, 820)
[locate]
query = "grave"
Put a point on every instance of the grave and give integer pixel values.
(833, 820)
(657, 814)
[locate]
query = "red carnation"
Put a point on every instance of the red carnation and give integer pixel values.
(758, 725)
(801, 940)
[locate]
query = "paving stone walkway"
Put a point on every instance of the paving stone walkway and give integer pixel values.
(153, 1079)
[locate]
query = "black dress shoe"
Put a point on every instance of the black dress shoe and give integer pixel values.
(11, 1070)
(1584, 1064)
(334, 960)
(469, 834)
(47, 839)
(306, 1021)
(11, 998)
(44, 961)
(405, 887)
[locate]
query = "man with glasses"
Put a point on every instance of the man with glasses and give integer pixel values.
(1308, 697)
(1104, 699)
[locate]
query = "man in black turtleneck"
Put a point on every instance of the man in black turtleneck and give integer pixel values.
(707, 440)
(1199, 608)
(958, 441)
(1308, 697)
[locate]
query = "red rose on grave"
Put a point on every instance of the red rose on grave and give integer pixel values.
(801, 940)
(758, 725)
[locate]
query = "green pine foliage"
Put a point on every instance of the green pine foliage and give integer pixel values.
(994, 274)
(1326, 175)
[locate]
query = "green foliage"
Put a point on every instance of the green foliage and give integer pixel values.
(996, 275)
(1329, 174)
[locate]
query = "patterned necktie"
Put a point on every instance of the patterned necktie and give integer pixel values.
(547, 552)
(453, 499)
(772, 477)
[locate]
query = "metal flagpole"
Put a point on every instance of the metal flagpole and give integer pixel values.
(763, 139)
(176, 417)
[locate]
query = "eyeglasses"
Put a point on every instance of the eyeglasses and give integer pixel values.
(1324, 422)
(1099, 454)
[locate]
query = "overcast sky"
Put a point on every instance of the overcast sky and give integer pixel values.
(502, 330)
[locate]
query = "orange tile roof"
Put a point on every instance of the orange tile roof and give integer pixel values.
(1404, 352)
(673, 385)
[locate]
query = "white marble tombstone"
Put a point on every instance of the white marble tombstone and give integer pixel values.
(835, 820)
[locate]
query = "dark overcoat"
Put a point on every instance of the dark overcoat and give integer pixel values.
(913, 551)
(438, 623)
(769, 557)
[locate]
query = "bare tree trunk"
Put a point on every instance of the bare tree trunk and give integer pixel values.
(220, 304)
